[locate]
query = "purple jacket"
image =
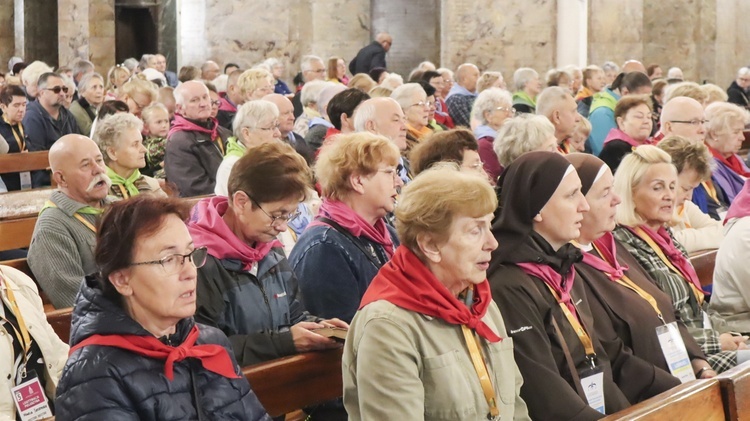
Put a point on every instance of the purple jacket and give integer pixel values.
(729, 181)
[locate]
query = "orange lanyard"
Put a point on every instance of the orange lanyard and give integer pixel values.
(711, 190)
(583, 336)
(481, 368)
(18, 135)
(23, 336)
(221, 146)
(645, 237)
(124, 192)
(681, 215)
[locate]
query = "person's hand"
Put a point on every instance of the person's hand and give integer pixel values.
(701, 366)
(732, 343)
(335, 323)
(305, 340)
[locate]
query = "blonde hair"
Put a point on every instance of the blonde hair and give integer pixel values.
(148, 112)
(250, 80)
(33, 71)
(433, 200)
(721, 115)
(584, 126)
(689, 155)
(380, 91)
(354, 153)
(137, 86)
(714, 93)
(521, 134)
(688, 89)
(630, 174)
(362, 81)
(487, 79)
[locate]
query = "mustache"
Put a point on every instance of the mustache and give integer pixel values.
(98, 178)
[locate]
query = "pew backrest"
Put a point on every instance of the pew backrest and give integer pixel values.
(60, 322)
(16, 233)
(698, 400)
(704, 261)
(29, 161)
(735, 388)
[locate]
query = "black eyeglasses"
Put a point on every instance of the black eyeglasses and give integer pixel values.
(275, 220)
(58, 89)
(173, 263)
(694, 122)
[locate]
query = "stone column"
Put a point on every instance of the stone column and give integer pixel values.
(73, 30)
(615, 31)
(7, 37)
(101, 49)
(572, 33)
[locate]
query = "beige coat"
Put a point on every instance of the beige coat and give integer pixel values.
(731, 288)
(54, 350)
(402, 365)
(697, 231)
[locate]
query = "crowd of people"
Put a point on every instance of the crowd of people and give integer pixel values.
(515, 250)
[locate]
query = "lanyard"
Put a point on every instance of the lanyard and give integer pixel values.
(23, 336)
(76, 215)
(20, 137)
(645, 237)
(124, 192)
(481, 368)
(627, 283)
(711, 190)
(583, 336)
(681, 214)
(220, 145)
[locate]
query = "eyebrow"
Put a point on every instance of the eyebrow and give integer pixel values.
(175, 248)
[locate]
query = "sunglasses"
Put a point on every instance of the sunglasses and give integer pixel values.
(58, 89)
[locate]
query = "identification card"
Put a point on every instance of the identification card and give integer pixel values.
(31, 402)
(707, 321)
(673, 348)
(592, 381)
(25, 180)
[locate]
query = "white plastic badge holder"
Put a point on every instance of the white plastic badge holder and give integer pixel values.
(592, 381)
(25, 180)
(673, 348)
(31, 401)
(707, 321)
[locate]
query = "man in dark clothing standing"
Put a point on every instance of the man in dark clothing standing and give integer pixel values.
(372, 55)
(737, 91)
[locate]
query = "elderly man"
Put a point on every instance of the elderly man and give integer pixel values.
(675, 73)
(47, 119)
(160, 64)
(461, 97)
(210, 71)
(231, 101)
(737, 91)
(384, 116)
(372, 55)
(634, 66)
(560, 108)
(196, 142)
(286, 126)
(312, 69)
(62, 246)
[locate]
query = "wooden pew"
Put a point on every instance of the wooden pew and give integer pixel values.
(29, 161)
(16, 233)
(735, 389)
(703, 262)
(699, 400)
(288, 384)
(60, 322)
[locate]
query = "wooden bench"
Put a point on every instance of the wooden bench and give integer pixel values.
(28, 161)
(699, 400)
(704, 262)
(735, 390)
(291, 383)
(60, 320)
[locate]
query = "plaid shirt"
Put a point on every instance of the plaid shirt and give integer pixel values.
(685, 303)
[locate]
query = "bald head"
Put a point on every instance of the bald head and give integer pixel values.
(467, 75)
(384, 39)
(633, 66)
(210, 70)
(78, 169)
(64, 151)
(383, 116)
(286, 112)
(683, 116)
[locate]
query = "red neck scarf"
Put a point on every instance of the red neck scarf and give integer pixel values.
(343, 215)
(734, 163)
(407, 283)
(617, 134)
(740, 207)
(182, 124)
(675, 256)
(207, 228)
(555, 281)
(607, 263)
(214, 358)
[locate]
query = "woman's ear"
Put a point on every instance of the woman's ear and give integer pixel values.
(356, 181)
(111, 154)
(120, 279)
(619, 121)
(428, 246)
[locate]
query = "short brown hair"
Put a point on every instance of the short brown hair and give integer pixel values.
(124, 224)
(629, 102)
(445, 146)
(271, 172)
(687, 154)
(354, 153)
(8, 92)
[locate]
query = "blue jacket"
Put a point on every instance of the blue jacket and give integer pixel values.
(42, 131)
(333, 272)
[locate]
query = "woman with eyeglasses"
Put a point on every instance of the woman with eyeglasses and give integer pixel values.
(247, 288)
(634, 122)
(138, 94)
(344, 247)
(492, 108)
(136, 352)
(724, 136)
(413, 101)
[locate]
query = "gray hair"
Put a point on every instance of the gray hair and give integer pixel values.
(31, 73)
(550, 99)
(743, 71)
(306, 62)
(488, 100)
(252, 113)
(523, 76)
(311, 91)
(366, 111)
(82, 67)
(179, 98)
(392, 81)
(110, 128)
(273, 62)
(145, 59)
(83, 84)
(404, 94)
(610, 66)
(521, 134)
(325, 96)
(130, 64)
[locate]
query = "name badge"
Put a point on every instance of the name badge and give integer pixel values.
(25, 180)
(592, 381)
(673, 348)
(707, 321)
(31, 402)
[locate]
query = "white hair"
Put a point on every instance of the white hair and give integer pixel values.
(523, 76)
(179, 97)
(306, 62)
(311, 91)
(610, 66)
(521, 134)
(488, 100)
(31, 73)
(674, 73)
(110, 129)
(550, 99)
(83, 84)
(392, 81)
(252, 113)
(367, 110)
(404, 94)
(743, 71)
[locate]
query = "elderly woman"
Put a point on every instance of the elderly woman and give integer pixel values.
(457, 146)
(138, 94)
(13, 105)
(634, 123)
(544, 304)
(255, 123)
(413, 101)
(441, 108)
(336, 71)
(341, 251)
(120, 140)
(406, 353)
(724, 137)
(489, 80)
(527, 85)
(647, 181)
(247, 288)
(522, 134)
(691, 227)
(309, 97)
(731, 281)
(133, 328)
(91, 96)
(254, 84)
(30, 355)
(491, 109)
(622, 297)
